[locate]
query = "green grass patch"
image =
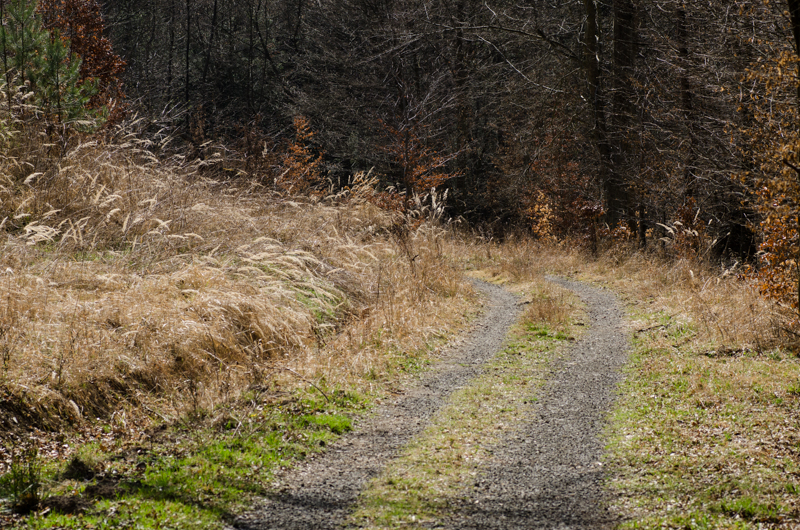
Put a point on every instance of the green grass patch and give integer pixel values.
(131, 512)
(196, 475)
(702, 441)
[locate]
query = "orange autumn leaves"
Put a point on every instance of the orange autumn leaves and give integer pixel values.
(419, 167)
(774, 155)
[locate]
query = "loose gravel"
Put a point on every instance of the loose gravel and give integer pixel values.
(320, 493)
(549, 475)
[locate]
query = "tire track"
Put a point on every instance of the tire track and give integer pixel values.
(321, 492)
(549, 474)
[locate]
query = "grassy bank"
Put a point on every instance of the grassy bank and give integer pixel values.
(179, 334)
(706, 430)
(190, 475)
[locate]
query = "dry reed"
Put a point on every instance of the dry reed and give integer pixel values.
(730, 311)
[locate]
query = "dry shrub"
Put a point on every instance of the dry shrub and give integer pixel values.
(518, 258)
(301, 167)
(128, 282)
(730, 311)
(727, 309)
(548, 304)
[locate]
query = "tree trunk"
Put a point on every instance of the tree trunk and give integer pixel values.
(188, 46)
(5, 54)
(685, 97)
(591, 46)
(625, 49)
(210, 43)
(171, 50)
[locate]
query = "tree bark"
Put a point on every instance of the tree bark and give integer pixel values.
(622, 107)
(794, 15)
(591, 44)
(210, 43)
(5, 55)
(188, 46)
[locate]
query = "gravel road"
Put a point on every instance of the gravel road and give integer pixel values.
(547, 475)
(319, 494)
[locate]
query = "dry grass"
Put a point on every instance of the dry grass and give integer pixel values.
(138, 288)
(729, 313)
(137, 285)
(705, 434)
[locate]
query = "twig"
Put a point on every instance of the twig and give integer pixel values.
(669, 317)
(787, 330)
(686, 339)
(145, 407)
(651, 328)
(307, 381)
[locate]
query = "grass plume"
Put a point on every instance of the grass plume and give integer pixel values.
(134, 283)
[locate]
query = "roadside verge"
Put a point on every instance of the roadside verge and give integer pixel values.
(320, 493)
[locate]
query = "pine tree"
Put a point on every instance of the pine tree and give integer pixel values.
(46, 73)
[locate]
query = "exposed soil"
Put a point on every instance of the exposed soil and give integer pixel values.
(546, 475)
(76, 504)
(66, 504)
(320, 493)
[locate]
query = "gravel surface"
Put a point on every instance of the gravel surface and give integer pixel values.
(321, 492)
(548, 475)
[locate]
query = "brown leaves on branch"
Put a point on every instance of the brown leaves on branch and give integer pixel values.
(421, 166)
(774, 180)
(82, 23)
(301, 167)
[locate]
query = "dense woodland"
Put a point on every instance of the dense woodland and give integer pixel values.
(667, 123)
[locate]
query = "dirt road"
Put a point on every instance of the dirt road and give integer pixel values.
(549, 475)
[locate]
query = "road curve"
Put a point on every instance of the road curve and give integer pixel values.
(545, 475)
(319, 494)
(549, 475)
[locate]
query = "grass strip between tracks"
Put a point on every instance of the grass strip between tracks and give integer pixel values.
(437, 466)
